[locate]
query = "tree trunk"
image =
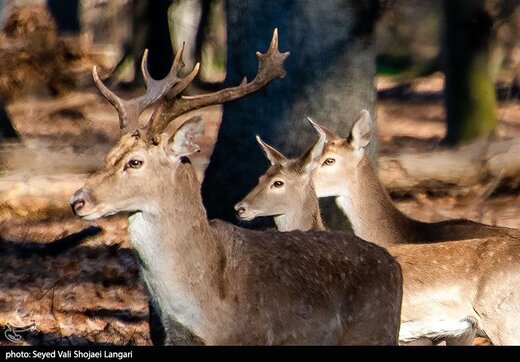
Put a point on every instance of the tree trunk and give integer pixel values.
(151, 31)
(330, 78)
(470, 86)
(66, 14)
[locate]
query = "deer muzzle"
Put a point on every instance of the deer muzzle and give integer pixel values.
(244, 211)
(80, 200)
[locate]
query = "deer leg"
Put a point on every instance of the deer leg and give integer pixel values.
(465, 339)
(503, 330)
(499, 310)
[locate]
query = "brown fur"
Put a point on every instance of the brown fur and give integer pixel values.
(455, 270)
(298, 189)
(242, 286)
(262, 201)
(450, 281)
(372, 213)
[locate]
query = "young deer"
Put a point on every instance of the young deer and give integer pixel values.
(451, 290)
(348, 174)
(286, 191)
(214, 283)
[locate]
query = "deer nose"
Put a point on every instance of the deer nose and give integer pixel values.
(77, 205)
(78, 201)
(240, 209)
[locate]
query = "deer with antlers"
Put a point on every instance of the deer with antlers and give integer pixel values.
(212, 282)
(452, 290)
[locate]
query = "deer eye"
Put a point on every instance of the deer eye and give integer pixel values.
(329, 162)
(277, 184)
(133, 163)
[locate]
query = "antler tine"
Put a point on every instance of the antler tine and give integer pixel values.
(272, 61)
(274, 41)
(144, 68)
(171, 96)
(270, 66)
(129, 110)
(165, 84)
(156, 88)
(118, 103)
(183, 83)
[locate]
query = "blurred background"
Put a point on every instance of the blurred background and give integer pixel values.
(440, 79)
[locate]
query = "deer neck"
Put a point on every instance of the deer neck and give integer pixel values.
(305, 215)
(179, 255)
(371, 211)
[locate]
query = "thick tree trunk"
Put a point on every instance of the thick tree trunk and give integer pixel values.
(470, 87)
(330, 78)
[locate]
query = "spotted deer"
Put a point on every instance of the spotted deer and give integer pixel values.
(451, 290)
(210, 281)
(286, 191)
(348, 174)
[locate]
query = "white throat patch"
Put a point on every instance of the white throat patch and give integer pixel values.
(158, 272)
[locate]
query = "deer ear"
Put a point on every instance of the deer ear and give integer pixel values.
(181, 143)
(310, 160)
(361, 133)
(273, 155)
(330, 135)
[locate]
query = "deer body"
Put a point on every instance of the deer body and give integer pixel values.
(374, 216)
(212, 282)
(451, 290)
(457, 289)
(472, 269)
(220, 284)
(353, 180)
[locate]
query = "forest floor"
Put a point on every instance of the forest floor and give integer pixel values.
(85, 288)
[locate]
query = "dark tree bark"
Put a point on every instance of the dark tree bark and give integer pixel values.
(66, 14)
(151, 31)
(330, 78)
(470, 85)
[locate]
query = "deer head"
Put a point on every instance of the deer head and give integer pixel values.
(341, 157)
(125, 184)
(287, 182)
(144, 152)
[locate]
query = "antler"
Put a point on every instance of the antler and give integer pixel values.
(270, 66)
(129, 110)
